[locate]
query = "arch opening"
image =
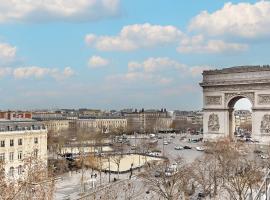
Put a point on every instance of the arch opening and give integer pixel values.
(240, 117)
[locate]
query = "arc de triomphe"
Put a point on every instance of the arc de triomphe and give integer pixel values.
(223, 88)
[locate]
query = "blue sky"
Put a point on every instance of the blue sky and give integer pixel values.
(114, 54)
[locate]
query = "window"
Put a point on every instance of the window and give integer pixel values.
(20, 155)
(11, 143)
(36, 153)
(2, 156)
(35, 140)
(11, 156)
(2, 143)
(19, 170)
(11, 171)
(20, 141)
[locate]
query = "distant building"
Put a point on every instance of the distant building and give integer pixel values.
(243, 118)
(86, 113)
(148, 120)
(102, 124)
(19, 140)
(57, 125)
(191, 117)
(15, 115)
(44, 116)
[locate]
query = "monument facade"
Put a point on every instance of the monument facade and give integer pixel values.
(223, 88)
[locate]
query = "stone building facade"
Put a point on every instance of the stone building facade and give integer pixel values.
(18, 141)
(102, 124)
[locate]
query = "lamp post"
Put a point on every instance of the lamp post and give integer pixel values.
(109, 169)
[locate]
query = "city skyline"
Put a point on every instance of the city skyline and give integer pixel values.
(114, 54)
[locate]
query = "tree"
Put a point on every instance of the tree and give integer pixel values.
(207, 173)
(116, 159)
(36, 182)
(238, 174)
(244, 176)
(172, 185)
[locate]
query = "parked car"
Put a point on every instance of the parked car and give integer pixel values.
(264, 156)
(165, 142)
(257, 151)
(133, 147)
(157, 174)
(187, 147)
(178, 147)
(200, 148)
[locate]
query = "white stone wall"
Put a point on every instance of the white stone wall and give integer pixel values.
(27, 148)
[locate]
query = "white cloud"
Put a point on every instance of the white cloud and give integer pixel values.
(97, 62)
(198, 44)
(41, 72)
(62, 10)
(156, 64)
(7, 53)
(244, 19)
(133, 37)
(4, 71)
(197, 70)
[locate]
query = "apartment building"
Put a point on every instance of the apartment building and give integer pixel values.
(20, 140)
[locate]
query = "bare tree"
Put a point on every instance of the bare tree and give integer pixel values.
(244, 177)
(35, 182)
(116, 159)
(207, 173)
(169, 186)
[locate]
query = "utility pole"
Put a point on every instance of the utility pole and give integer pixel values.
(163, 153)
(109, 169)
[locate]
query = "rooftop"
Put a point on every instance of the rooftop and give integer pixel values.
(238, 69)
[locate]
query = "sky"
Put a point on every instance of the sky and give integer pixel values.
(114, 54)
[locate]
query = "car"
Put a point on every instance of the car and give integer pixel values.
(257, 151)
(133, 147)
(160, 137)
(178, 147)
(201, 195)
(165, 142)
(200, 148)
(172, 136)
(187, 147)
(264, 156)
(157, 174)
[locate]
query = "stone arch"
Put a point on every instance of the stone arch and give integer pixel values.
(230, 105)
(223, 88)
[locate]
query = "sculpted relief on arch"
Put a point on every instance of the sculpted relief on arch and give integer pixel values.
(265, 124)
(213, 123)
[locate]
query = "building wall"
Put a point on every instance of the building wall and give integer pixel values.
(32, 140)
(103, 125)
(57, 125)
(147, 121)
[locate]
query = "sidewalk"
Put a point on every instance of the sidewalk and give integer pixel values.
(70, 187)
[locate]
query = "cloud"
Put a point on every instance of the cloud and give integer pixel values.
(198, 44)
(7, 53)
(155, 64)
(41, 72)
(97, 62)
(57, 10)
(133, 37)
(4, 71)
(243, 20)
(197, 70)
